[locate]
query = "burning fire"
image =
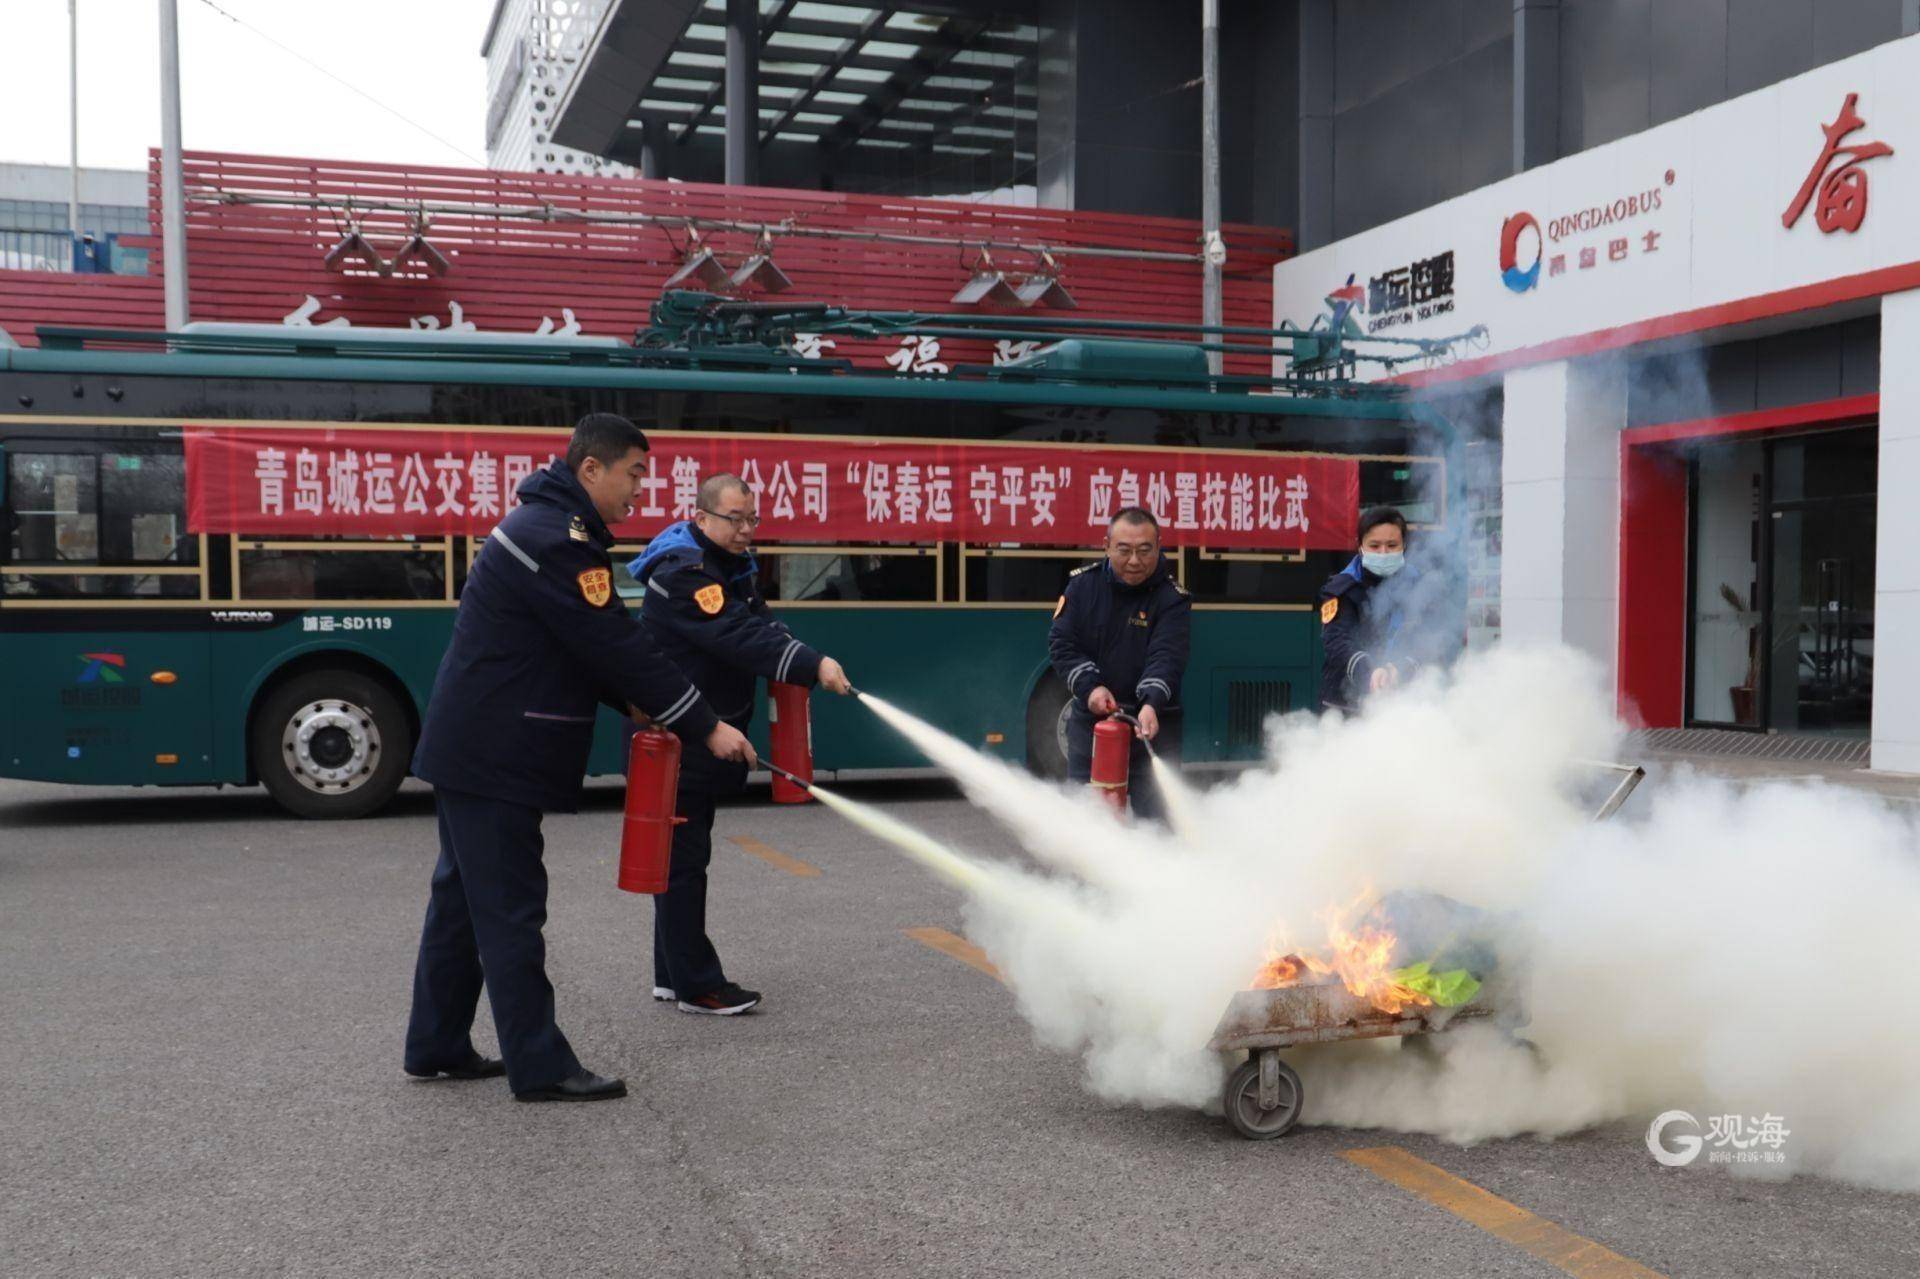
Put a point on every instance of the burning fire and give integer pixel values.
(1358, 954)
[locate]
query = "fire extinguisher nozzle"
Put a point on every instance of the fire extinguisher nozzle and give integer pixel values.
(778, 771)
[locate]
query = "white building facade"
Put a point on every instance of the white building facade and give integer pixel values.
(532, 48)
(1700, 370)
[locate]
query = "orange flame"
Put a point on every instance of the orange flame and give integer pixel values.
(1359, 955)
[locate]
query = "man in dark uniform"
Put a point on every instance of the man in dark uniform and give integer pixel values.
(1379, 619)
(1119, 640)
(704, 610)
(539, 641)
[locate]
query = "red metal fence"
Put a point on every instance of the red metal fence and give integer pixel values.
(259, 228)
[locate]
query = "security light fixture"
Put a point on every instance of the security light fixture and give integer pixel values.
(416, 249)
(1043, 287)
(988, 286)
(355, 251)
(760, 271)
(699, 263)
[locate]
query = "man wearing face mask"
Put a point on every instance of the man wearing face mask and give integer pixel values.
(1373, 631)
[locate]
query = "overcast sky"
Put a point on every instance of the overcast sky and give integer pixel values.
(239, 92)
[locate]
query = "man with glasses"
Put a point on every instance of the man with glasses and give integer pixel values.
(1119, 640)
(703, 607)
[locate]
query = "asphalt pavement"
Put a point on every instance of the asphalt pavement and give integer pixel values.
(200, 1031)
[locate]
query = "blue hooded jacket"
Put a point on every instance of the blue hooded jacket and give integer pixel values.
(703, 607)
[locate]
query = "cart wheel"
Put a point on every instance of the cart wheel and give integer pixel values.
(1242, 1101)
(1423, 1047)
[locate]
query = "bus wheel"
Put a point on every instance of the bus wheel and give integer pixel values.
(1047, 729)
(330, 744)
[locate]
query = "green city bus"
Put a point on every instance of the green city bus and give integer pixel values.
(134, 651)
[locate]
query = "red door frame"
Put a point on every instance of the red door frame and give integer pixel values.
(1652, 642)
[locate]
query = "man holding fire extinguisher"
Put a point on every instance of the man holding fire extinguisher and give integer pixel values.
(704, 609)
(1119, 641)
(539, 641)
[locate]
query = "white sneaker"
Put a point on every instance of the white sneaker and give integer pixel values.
(664, 994)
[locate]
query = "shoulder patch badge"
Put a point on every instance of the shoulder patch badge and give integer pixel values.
(577, 530)
(711, 599)
(1330, 610)
(596, 585)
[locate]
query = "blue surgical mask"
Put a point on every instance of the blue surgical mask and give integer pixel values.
(1383, 563)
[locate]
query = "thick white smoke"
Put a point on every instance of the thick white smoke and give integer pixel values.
(1719, 950)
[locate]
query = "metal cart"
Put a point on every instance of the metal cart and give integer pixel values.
(1263, 1094)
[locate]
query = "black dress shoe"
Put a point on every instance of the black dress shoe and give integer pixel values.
(582, 1085)
(474, 1067)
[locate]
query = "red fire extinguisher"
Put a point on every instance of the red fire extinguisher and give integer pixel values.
(790, 730)
(1112, 752)
(646, 838)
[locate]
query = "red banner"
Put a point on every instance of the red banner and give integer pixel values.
(393, 483)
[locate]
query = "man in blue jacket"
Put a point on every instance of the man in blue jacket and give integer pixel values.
(539, 642)
(1119, 640)
(703, 607)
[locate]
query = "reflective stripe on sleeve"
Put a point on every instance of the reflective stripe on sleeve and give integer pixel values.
(679, 708)
(500, 535)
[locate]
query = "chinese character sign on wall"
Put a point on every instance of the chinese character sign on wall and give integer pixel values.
(1843, 190)
(378, 482)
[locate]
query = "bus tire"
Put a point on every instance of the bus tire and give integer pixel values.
(331, 744)
(1047, 729)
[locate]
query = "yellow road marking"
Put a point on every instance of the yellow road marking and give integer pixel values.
(959, 947)
(774, 857)
(1536, 1236)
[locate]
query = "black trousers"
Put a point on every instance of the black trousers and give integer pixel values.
(485, 911)
(684, 959)
(1143, 792)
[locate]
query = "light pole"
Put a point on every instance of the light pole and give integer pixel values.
(173, 205)
(73, 125)
(1213, 249)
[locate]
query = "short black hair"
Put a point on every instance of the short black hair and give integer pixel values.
(1374, 516)
(1133, 515)
(607, 436)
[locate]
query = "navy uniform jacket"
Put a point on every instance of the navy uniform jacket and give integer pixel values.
(1131, 639)
(1364, 626)
(540, 641)
(704, 610)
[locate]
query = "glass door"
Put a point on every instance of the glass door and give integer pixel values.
(1780, 625)
(1821, 559)
(1724, 627)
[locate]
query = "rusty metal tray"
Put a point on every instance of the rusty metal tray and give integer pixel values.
(1321, 1014)
(1263, 1095)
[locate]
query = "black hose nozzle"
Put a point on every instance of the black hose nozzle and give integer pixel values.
(779, 771)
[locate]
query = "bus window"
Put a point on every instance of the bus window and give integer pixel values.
(996, 575)
(357, 570)
(875, 574)
(98, 525)
(143, 499)
(1416, 485)
(53, 502)
(1227, 577)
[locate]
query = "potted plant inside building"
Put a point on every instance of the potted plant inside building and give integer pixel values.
(1745, 695)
